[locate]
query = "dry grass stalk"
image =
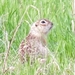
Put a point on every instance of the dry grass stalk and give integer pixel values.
(72, 25)
(15, 31)
(73, 13)
(73, 10)
(19, 24)
(74, 68)
(6, 51)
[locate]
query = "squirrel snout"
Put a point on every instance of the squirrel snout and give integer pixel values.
(51, 23)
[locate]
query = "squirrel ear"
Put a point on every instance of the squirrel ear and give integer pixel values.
(36, 25)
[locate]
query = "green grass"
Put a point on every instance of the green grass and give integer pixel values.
(61, 39)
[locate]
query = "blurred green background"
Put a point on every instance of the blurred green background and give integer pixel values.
(22, 13)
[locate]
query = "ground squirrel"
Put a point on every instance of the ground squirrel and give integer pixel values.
(34, 45)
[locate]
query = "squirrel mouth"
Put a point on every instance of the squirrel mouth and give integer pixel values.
(51, 27)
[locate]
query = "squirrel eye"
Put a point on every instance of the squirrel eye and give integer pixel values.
(42, 21)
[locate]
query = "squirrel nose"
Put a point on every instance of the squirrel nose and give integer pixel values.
(51, 23)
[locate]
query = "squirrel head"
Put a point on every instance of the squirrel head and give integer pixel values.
(41, 27)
